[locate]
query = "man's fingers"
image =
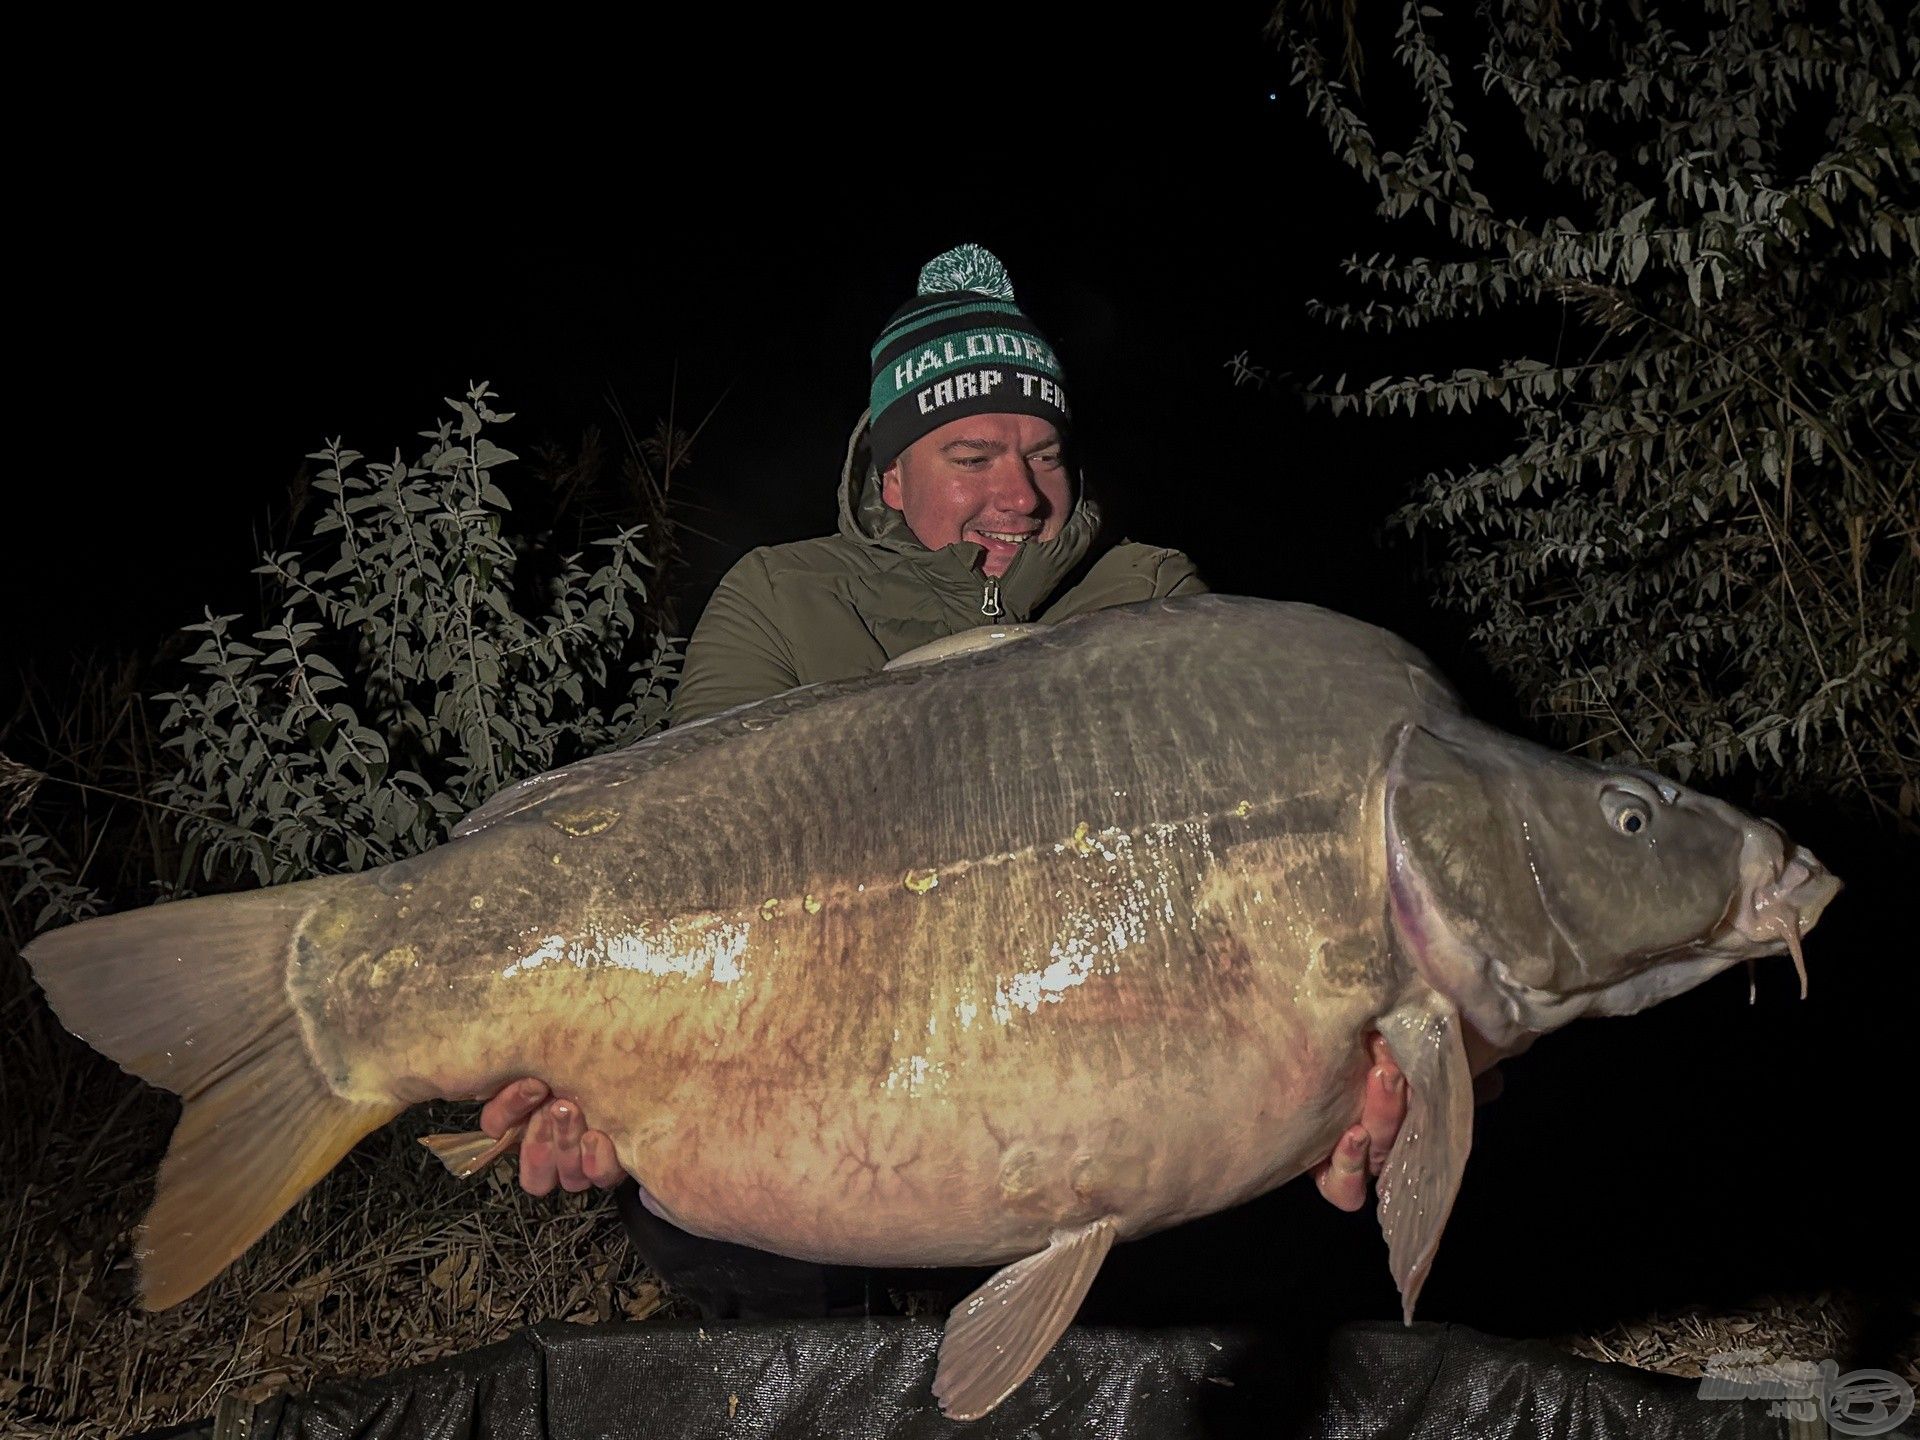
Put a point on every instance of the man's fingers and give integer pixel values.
(568, 1131)
(537, 1172)
(1342, 1176)
(1380, 1053)
(1383, 1111)
(558, 1149)
(598, 1162)
(512, 1105)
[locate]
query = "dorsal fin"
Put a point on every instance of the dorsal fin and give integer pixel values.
(967, 642)
(617, 767)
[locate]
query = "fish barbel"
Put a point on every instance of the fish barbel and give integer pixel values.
(1056, 938)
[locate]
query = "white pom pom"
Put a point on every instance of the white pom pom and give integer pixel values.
(966, 267)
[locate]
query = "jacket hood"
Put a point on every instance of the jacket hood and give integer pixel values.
(879, 529)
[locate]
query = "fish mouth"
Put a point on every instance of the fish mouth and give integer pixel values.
(1784, 890)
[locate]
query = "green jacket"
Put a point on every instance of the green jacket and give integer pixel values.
(843, 605)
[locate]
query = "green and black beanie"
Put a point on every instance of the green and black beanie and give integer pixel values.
(960, 347)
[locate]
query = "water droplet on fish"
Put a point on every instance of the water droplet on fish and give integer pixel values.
(921, 881)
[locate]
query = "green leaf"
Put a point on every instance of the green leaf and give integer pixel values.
(1634, 258)
(488, 456)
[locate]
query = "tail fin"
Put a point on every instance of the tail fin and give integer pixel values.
(192, 996)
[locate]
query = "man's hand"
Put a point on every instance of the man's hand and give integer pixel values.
(557, 1145)
(1361, 1153)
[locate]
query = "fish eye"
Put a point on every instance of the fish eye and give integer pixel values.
(1627, 813)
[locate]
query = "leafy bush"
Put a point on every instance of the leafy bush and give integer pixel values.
(40, 885)
(410, 588)
(419, 657)
(1703, 545)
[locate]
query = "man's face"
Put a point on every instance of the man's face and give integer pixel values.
(996, 480)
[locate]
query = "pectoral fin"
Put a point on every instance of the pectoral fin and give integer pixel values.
(1422, 1174)
(471, 1151)
(1002, 1330)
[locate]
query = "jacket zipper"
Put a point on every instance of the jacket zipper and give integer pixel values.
(990, 600)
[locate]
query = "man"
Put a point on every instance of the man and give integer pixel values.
(959, 507)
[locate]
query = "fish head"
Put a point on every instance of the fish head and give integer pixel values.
(1533, 887)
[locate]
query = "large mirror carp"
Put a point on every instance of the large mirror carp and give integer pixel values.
(1048, 940)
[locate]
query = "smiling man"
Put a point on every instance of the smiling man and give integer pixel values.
(960, 506)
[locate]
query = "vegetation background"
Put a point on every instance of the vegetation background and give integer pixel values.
(1639, 473)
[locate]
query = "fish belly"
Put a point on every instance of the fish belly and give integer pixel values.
(984, 1172)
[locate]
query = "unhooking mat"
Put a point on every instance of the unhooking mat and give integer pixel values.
(871, 1379)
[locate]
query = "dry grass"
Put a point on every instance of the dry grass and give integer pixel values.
(1781, 1327)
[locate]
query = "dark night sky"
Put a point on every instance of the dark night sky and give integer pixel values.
(240, 266)
(238, 288)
